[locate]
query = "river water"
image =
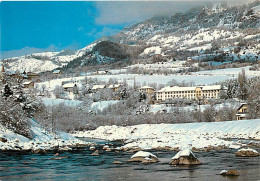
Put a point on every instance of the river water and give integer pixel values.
(80, 165)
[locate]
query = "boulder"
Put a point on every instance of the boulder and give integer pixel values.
(229, 173)
(95, 153)
(39, 151)
(117, 162)
(144, 157)
(105, 147)
(92, 148)
(185, 157)
(247, 152)
(64, 148)
(4, 140)
(59, 158)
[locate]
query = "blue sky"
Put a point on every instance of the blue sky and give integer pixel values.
(39, 26)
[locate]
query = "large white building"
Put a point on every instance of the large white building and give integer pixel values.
(199, 92)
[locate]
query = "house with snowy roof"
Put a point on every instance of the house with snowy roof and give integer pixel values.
(56, 72)
(242, 111)
(32, 75)
(199, 92)
(114, 87)
(96, 88)
(69, 87)
(147, 89)
(28, 84)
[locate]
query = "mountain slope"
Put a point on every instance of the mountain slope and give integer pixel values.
(217, 33)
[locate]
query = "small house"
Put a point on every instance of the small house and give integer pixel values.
(32, 75)
(147, 89)
(56, 72)
(115, 87)
(28, 84)
(70, 87)
(96, 88)
(242, 111)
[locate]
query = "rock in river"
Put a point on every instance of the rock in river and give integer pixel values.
(185, 157)
(247, 152)
(144, 157)
(229, 173)
(95, 153)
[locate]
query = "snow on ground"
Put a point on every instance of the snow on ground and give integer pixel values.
(153, 50)
(198, 135)
(229, 72)
(53, 102)
(74, 103)
(160, 107)
(102, 104)
(42, 139)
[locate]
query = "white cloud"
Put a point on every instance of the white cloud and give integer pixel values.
(106, 31)
(127, 12)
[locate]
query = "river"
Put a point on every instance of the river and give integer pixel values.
(80, 165)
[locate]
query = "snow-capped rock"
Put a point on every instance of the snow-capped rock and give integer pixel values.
(144, 157)
(185, 157)
(247, 152)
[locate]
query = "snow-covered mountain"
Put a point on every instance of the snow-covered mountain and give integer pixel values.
(231, 30)
(46, 61)
(208, 33)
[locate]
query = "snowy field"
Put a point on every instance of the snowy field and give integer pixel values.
(42, 139)
(229, 72)
(54, 102)
(198, 135)
(160, 107)
(74, 103)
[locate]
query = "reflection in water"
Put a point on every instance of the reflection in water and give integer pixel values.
(82, 166)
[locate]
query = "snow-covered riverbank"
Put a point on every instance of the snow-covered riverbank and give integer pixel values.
(198, 135)
(42, 139)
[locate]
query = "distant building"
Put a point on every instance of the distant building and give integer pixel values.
(56, 72)
(96, 88)
(115, 87)
(199, 92)
(70, 87)
(149, 91)
(32, 75)
(242, 111)
(2, 73)
(28, 84)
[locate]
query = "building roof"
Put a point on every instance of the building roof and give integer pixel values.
(114, 86)
(27, 82)
(241, 105)
(69, 85)
(146, 87)
(176, 88)
(211, 87)
(56, 71)
(98, 87)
